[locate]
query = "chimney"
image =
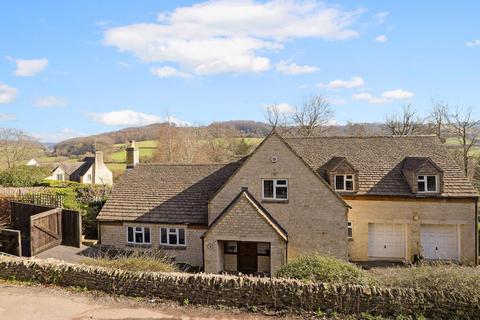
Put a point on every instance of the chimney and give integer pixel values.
(132, 155)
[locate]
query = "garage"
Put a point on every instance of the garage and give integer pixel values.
(439, 241)
(386, 241)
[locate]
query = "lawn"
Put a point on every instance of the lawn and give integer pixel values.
(146, 149)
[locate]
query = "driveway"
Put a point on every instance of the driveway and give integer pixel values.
(51, 303)
(68, 254)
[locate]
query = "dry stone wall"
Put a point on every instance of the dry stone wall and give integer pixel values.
(273, 293)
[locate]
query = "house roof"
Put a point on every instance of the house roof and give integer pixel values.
(380, 159)
(166, 193)
(258, 207)
(78, 168)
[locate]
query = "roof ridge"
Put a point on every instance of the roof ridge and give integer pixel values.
(365, 137)
(185, 164)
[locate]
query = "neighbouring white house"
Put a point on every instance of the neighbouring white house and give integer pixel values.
(33, 162)
(90, 170)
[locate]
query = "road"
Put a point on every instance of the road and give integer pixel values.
(51, 303)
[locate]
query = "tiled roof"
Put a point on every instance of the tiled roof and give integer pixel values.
(379, 161)
(166, 193)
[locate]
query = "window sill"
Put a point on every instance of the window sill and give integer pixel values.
(350, 239)
(275, 200)
(168, 247)
(138, 245)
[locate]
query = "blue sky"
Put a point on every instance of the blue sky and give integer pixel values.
(70, 68)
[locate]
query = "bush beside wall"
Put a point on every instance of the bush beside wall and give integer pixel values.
(277, 294)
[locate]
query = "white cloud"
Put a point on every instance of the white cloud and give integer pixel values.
(281, 108)
(367, 97)
(53, 137)
(381, 38)
(473, 43)
(7, 117)
(7, 94)
(293, 68)
(398, 94)
(50, 101)
(132, 118)
(166, 72)
(230, 36)
(381, 17)
(354, 82)
(29, 68)
(386, 97)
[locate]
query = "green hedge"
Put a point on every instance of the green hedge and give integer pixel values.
(319, 268)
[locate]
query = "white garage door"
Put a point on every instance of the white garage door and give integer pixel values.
(439, 241)
(386, 240)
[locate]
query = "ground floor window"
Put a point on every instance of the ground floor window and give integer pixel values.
(138, 235)
(230, 247)
(350, 230)
(60, 177)
(172, 236)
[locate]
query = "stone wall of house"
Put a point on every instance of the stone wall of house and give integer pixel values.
(412, 214)
(115, 234)
(242, 222)
(276, 294)
(314, 217)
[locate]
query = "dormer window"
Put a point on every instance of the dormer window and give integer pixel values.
(427, 183)
(344, 182)
(275, 189)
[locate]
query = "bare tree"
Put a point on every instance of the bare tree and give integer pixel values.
(404, 124)
(16, 145)
(465, 128)
(313, 116)
(437, 120)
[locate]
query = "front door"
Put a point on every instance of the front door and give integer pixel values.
(247, 257)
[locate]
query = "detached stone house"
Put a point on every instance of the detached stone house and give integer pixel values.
(90, 170)
(356, 198)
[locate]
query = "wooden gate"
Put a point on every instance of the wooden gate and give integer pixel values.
(10, 242)
(45, 230)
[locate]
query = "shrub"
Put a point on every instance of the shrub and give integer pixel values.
(452, 278)
(23, 176)
(319, 268)
(133, 261)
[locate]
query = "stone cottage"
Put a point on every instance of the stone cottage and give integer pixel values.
(395, 198)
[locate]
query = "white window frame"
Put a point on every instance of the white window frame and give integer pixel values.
(275, 181)
(424, 181)
(344, 182)
(176, 231)
(62, 175)
(142, 230)
(89, 177)
(349, 230)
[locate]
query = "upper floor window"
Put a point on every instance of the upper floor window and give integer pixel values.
(344, 182)
(89, 177)
(350, 230)
(172, 236)
(275, 189)
(427, 183)
(138, 235)
(60, 177)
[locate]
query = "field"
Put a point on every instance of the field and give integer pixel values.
(475, 151)
(146, 149)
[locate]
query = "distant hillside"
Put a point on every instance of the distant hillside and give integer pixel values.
(105, 141)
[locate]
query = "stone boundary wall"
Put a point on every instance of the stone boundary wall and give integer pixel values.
(275, 294)
(12, 192)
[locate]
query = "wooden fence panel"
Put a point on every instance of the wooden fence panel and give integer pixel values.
(11, 242)
(20, 214)
(45, 230)
(71, 228)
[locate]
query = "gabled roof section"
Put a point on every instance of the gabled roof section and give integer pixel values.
(258, 208)
(380, 159)
(414, 163)
(276, 134)
(166, 193)
(335, 162)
